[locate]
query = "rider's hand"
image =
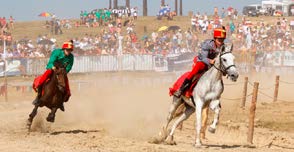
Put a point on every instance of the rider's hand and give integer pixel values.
(212, 61)
(53, 68)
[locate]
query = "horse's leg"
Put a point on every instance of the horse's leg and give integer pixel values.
(31, 117)
(204, 122)
(180, 110)
(175, 104)
(188, 111)
(51, 116)
(199, 106)
(215, 106)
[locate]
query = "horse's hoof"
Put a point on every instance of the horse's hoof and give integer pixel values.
(50, 119)
(170, 141)
(204, 139)
(211, 130)
(198, 145)
(29, 124)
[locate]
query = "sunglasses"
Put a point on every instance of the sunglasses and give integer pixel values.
(220, 39)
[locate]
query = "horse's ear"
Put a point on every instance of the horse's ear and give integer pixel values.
(223, 48)
(232, 46)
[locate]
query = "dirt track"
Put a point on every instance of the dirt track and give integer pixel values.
(121, 116)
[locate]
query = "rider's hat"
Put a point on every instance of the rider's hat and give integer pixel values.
(219, 33)
(68, 45)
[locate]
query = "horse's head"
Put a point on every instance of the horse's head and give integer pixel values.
(60, 74)
(227, 64)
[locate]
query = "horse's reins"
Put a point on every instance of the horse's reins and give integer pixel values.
(222, 70)
(63, 67)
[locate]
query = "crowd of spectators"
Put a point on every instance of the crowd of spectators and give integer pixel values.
(102, 17)
(246, 35)
(118, 35)
(25, 47)
(263, 36)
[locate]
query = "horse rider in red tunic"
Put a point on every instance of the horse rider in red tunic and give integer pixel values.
(209, 50)
(64, 56)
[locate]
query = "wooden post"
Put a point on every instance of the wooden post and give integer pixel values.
(5, 80)
(181, 7)
(128, 3)
(115, 4)
(244, 93)
(252, 114)
(176, 6)
(276, 88)
(110, 4)
(145, 10)
(5, 70)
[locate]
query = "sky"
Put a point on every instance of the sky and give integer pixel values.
(28, 10)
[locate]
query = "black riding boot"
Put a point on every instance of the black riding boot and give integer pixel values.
(185, 85)
(37, 101)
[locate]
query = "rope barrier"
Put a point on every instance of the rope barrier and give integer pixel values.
(266, 88)
(250, 83)
(286, 82)
(236, 98)
(272, 97)
(232, 84)
(262, 88)
(265, 94)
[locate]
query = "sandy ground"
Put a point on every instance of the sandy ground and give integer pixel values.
(122, 111)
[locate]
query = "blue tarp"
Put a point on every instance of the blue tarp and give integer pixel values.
(164, 11)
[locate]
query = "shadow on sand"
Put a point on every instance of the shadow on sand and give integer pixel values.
(225, 146)
(77, 131)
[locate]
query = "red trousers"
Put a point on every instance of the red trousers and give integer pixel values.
(47, 74)
(198, 69)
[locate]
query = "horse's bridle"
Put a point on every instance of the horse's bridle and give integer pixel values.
(222, 69)
(58, 84)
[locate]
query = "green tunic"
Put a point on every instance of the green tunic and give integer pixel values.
(58, 55)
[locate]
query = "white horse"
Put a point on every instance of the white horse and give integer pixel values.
(206, 93)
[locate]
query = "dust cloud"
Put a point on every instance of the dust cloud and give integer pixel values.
(125, 109)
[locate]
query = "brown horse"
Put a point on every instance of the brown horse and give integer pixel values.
(53, 94)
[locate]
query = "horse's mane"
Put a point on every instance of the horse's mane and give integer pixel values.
(217, 59)
(58, 64)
